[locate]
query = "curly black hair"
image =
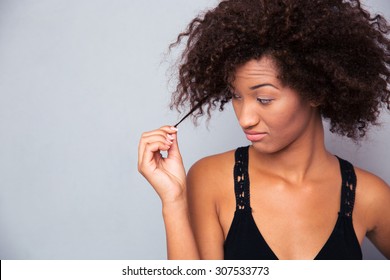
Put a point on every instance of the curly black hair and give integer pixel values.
(333, 52)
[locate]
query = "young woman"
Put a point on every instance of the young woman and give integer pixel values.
(286, 65)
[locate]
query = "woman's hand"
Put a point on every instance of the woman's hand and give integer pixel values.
(168, 178)
(166, 175)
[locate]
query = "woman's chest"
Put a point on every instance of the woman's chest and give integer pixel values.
(295, 221)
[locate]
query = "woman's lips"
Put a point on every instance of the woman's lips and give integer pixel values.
(254, 136)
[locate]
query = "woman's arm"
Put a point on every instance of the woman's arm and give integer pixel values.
(168, 178)
(380, 234)
(376, 197)
(181, 243)
(204, 180)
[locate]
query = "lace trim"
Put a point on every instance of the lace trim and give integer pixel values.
(348, 188)
(241, 179)
(241, 183)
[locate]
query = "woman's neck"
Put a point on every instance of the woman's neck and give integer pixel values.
(303, 158)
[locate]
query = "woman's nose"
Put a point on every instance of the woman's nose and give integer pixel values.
(247, 116)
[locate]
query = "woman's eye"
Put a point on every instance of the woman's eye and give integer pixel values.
(264, 101)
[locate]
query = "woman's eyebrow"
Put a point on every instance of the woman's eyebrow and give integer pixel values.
(262, 85)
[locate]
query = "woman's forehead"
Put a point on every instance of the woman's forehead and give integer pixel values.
(257, 68)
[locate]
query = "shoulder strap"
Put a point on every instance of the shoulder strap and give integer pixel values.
(241, 179)
(348, 187)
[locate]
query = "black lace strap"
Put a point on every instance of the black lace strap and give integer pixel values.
(241, 179)
(348, 187)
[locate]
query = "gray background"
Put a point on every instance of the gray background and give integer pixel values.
(79, 82)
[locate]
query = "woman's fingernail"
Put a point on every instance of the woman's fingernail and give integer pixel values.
(174, 128)
(170, 137)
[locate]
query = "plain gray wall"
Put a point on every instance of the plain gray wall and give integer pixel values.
(80, 80)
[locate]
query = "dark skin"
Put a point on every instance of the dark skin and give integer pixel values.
(300, 197)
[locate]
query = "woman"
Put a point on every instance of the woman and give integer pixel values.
(286, 65)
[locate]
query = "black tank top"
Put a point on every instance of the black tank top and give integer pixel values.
(245, 242)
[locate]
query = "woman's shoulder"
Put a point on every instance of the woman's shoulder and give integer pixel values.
(209, 178)
(371, 189)
(372, 197)
(370, 183)
(372, 202)
(213, 165)
(212, 173)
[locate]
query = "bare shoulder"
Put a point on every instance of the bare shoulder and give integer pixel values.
(205, 183)
(372, 202)
(371, 186)
(211, 170)
(209, 180)
(372, 199)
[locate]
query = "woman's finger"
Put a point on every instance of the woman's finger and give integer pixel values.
(147, 162)
(165, 132)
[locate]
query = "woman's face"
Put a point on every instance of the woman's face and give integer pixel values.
(272, 116)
